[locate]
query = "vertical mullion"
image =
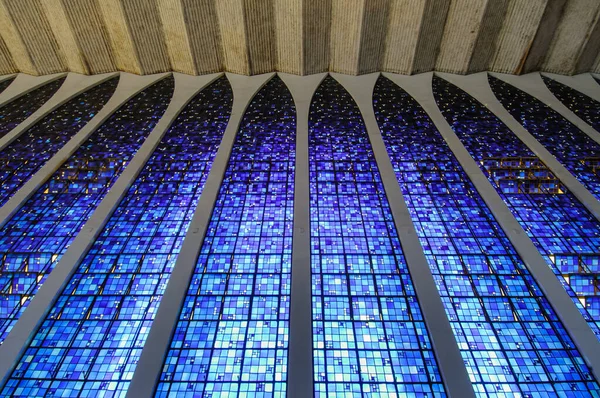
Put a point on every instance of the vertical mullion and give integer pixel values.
(18, 339)
(148, 370)
(450, 361)
(421, 90)
(300, 358)
(129, 86)
(24, 84)
(477, 86)
(533, 85)
(73, 85)
(584, 83)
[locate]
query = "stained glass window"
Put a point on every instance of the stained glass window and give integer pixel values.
(580, 104)
(35, 238)
(119, 284)
(5, 83)
(16, 111)
(565, 232)
(571, 146)
(31, 149)
(232, 334)
(368, 330)
(511, 339)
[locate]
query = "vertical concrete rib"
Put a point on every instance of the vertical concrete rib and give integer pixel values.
(6, 77)
(74, 85)
(129, 85)
(300, 378)
(18, 339)
(149, 368)
(533, 85)
(450, 361)
(421, 89)
(584, 83)
(25, 83)
(477, 86)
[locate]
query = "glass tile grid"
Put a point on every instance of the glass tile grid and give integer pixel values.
(35, 238)
(5, 83)
(19, 109)
(571, 146)
(119, 284)
(565, 232)
(511, 340)
(368, 331)
(232, 335)
(578, 103)
(34, 147)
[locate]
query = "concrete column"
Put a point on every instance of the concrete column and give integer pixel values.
(129, 86)
(586, 341)
(19, 338)
(25, 83)
(477, 86)
(6, 77)
(73, 85)
(300, 358)
(450, 361)
(533, 84)
(149, 368)
(584, 83)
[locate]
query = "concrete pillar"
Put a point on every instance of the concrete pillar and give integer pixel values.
(420, 88)
(149, 368)
(450, 361)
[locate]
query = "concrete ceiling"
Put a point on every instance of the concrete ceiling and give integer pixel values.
(299, 36)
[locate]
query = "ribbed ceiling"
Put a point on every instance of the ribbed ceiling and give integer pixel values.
(299, 36)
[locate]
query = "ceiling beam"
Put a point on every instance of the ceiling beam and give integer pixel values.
(6, 64)
(573, 40)
(516, 37)
(29, 38)
(470, 35)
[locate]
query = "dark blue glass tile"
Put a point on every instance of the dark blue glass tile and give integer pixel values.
(510, 338)
(549, 213)
(571, 146)
(35, 238)
(580, 104)
(5, 83)
(27, 153)
(232, 334)
(123, 284)
(16, 111)
(369, 337)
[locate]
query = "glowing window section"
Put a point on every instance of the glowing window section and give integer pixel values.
(5, 83)
(16, 111)
(118, 286)
(232, 335)
(35, 238)
(571, 146)
(580, 104)
(511, 339)
(368, 330)
(28, 152)
(564, 231)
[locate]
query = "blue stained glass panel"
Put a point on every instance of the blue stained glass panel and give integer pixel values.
(17, 110)
(565, 232)
(123, 277)
(5, 83)
(369, 336)
(510, 337)
(35, 238)
(571, 146)
(32, 148)
(232, 335)
(580, 104)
